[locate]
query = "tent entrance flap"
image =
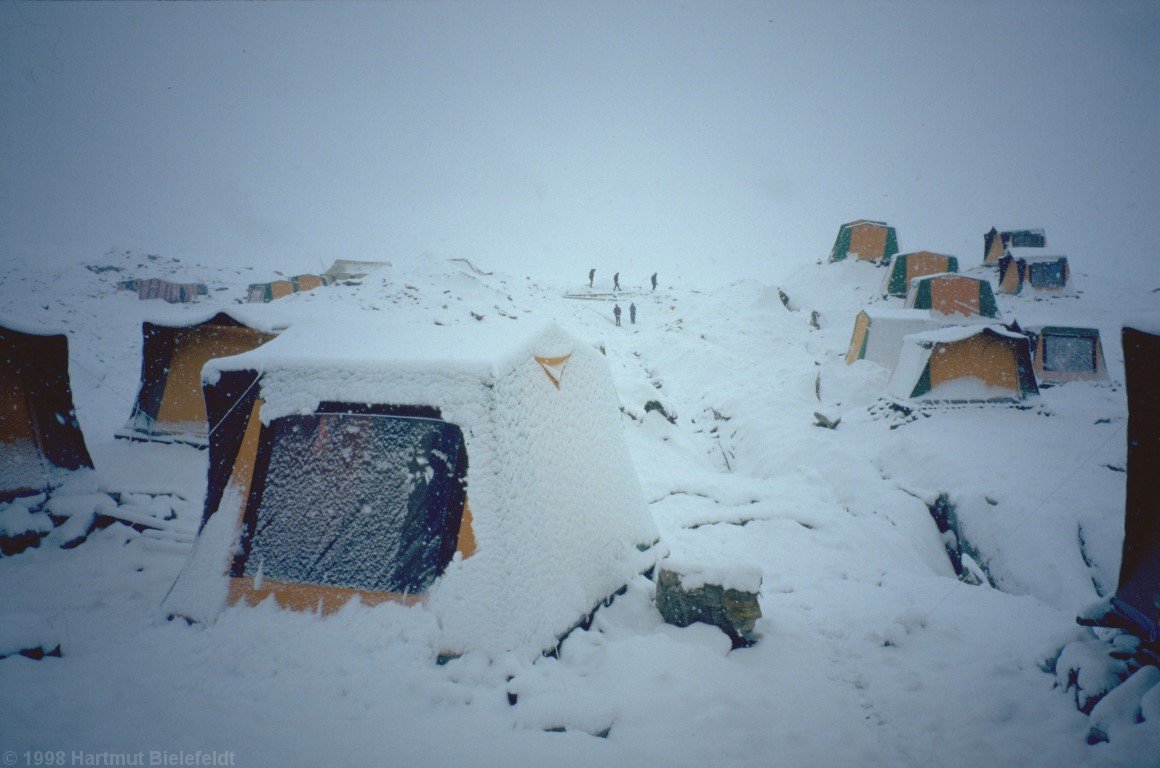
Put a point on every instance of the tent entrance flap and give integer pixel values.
(354, 501)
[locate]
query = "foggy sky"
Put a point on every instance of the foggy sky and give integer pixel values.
(702, 138)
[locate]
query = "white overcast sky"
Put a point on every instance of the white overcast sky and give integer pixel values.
(707, 138)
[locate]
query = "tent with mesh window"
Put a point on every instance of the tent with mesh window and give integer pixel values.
(865, 240)
(481, 472)
(964, 364)
(905, 267)
(996, 243)
(1063, 353)
(953, 294)
(1020, 271)
(40, 439)
(169, 406)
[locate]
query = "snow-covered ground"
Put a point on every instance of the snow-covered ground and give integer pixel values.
(871, 651)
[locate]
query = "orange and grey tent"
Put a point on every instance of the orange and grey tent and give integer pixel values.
(996, 243)
(343, 469)
(1018, 271)
(952, 294)
(40, 438)
(1063, 353)
(169, 405)
(905, 267)
(865, 240)
(964, 364)
(1136, 603)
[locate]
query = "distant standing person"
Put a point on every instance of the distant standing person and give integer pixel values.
(616, 282)
(654, 280)
(616, 314)
(632, 313)
(591, 276)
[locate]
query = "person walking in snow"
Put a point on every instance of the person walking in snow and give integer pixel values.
(616, 282)
(654, 280)
(632, 313)
(616, 314)
(591, 276)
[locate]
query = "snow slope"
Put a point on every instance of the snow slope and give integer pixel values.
(871, 651)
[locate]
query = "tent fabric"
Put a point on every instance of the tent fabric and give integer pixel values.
(996, 243)
(868, 240)
(174, 293)
(879, 333)
(1137, 597)
(169, 405)
(905, 267)
(542, 504)
(964, 364)
(1063, 353)
(259, 293)
(953, 294)
(39, 434)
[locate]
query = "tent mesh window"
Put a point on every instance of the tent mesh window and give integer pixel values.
(1048, 275)
(1068, 354)
(362, 501)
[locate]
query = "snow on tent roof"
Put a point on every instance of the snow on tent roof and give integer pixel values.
(343, 269)
(879, 333)
(969, 366)
(556, 512)
(1034, 254)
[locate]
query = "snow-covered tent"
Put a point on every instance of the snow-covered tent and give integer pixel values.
(351, 269)
(964, 364)
(169, 405)
(905, 267)
(156, 288)
(266, 292)
(996, 243)
(878, 333)
(480, 471)
(865, 240)
(1064, 353)
(1019, 269)
(1136, 603)
(40, 438)
(952, 294)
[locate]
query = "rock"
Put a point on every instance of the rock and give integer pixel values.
(734, 611)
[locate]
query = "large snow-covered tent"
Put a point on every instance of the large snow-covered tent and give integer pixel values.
(1136, 603)
(156, 288)
(964, 364)
(352, 269)
(360, 468)
(865, 240)
(1064, 353)
(169, 405)
(40, 438)
(878, 333)
(996, 243)
(952, 294)
(1019, 269)
(905, 267)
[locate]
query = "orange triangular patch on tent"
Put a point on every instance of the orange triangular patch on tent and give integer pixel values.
(553, 367)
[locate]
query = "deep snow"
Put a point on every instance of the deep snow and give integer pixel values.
(871, 651)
